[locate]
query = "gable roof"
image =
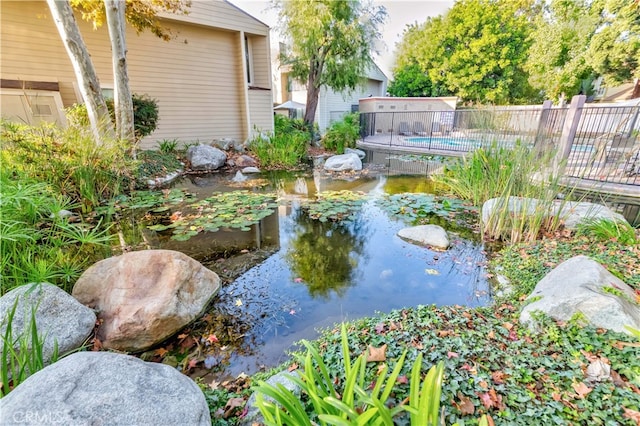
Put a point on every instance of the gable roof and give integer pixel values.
(220, 14)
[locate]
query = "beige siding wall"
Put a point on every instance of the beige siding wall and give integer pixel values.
(197, 77)
(260, 107)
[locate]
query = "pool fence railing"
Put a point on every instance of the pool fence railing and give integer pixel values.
(593, 142)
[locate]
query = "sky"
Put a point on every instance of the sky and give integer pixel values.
(399, 14)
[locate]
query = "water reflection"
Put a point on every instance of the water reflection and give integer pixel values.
(325, 255)
(303, 274)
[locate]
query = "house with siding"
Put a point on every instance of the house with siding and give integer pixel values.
(332, 105)
(211, 80)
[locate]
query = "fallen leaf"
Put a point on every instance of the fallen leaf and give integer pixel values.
(379, 328)
(451, 354)
(402, 380)
(430, 271)
(581, 389)
(292, 367)
(161, 352)
(292, 312)
(485, 398)
(238, 302)
(182, 336)
(465, 405)
(297, 280)
(631, 414)
(498, 376)
(556, 396)
(192, 363)
(212, 338)
(214, 385)
(483, 384)
(377, 354)
(507, 325)
(491, 335)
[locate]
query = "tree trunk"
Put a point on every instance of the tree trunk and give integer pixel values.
(65, 22)
(122, 94)
(313, 93)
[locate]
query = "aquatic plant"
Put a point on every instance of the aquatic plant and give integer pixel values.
(237, 209)
(411, 207)
(335, 205)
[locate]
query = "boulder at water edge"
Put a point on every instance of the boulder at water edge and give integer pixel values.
(570, 212)
(60, 319)
(104, 388)
(143, 297)
(343, 162)
(581, 285)
(205, 157)
(426, 235)
(360, 153)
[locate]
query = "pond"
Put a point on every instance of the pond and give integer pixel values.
(299, 269)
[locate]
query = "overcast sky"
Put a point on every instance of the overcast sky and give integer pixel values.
(400, 13)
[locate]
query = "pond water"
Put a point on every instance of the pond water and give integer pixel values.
(303, 273)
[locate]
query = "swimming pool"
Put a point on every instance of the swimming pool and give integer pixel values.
(446, 142)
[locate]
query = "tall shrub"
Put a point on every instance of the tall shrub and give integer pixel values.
(343, 134)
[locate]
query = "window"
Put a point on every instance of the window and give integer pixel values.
(248, 59)
(107, 93)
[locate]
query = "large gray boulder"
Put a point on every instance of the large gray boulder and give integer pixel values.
(205, 157)
(143, 297)
(426, 235)
(581, 285)
(60, 318)
(343, 162)
(104, 388)
(572, 213)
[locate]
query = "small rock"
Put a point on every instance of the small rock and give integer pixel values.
(428, 235)
(360, 153)
(239, 177)
(245, 161)
(598, 371)
(248, 170)
(343, 162)
(253, 415)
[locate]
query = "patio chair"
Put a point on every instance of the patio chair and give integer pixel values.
(403, 129)
(418, 128)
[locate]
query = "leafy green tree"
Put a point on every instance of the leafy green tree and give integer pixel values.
(330, 44)
(476, 51)
(614, 49)
(557, 62)
(411, 81)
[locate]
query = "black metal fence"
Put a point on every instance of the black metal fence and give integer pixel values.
(604, 141)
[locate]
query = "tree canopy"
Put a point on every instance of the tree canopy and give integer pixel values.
(330, 43)
(476, 51)
(499, 51)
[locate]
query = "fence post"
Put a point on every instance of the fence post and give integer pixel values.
(542, 124)
(568, 133)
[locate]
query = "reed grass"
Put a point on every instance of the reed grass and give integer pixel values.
(519, 177)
